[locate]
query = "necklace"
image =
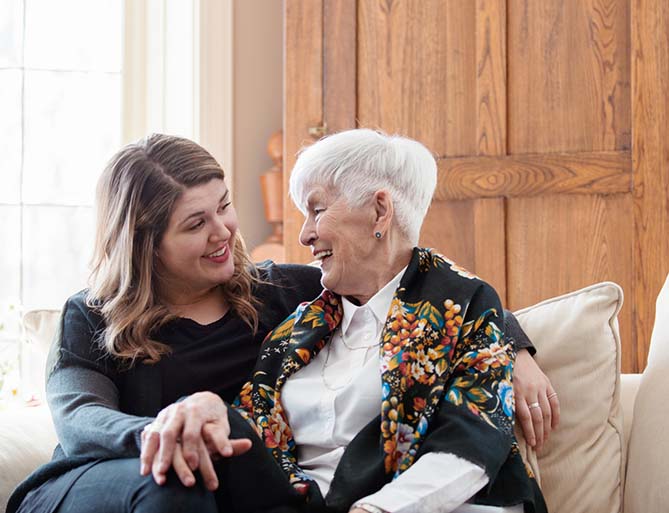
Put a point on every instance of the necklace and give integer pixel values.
(327, 358)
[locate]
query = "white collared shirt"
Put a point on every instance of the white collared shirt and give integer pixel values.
(330, 400)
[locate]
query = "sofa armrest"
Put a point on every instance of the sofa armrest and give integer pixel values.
(27, 440)
(629, 386)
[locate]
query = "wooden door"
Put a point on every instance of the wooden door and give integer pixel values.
(548, 119)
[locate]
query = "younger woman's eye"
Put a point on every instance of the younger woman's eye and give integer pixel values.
(224, 206)
(196, 225)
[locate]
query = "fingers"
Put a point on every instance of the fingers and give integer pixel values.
(207, 468)
(240, 446)
(555, 406)
(191, 439)
(544, 410)
(537, 422)
(181, 467)
(525, 418)
(216, 435)
(150, 445)
(170, 434)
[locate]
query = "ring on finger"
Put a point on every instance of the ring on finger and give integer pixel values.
(554, 394)
(533, 405)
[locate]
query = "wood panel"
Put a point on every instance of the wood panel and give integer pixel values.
(442, 230)
(491, 77)
(568, 92)
(488, 215)
(532, 175)
(568, 75)
(592, 240)
(417, 71)
(303, 101)
(339, 64)
(650, 48)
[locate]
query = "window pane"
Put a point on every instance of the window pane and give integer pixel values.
(10, 136)
(72, 127)
(74, 35)
(57, 246)
(11, 33)
(10, 263)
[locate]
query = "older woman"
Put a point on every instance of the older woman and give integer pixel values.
(392, 390)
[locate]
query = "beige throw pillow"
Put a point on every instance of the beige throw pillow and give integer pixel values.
(581, 468)
(647, 486)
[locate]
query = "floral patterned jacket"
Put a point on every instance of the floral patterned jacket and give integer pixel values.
(446, 376)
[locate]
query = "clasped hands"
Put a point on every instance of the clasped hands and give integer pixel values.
(187, 436)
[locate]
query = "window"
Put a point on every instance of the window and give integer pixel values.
(60, 77)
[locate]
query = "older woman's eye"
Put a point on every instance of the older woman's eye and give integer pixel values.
(318, 211)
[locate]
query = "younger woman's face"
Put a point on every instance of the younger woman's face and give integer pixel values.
(196, 252)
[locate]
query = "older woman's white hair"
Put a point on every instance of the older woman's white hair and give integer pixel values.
(356, 163)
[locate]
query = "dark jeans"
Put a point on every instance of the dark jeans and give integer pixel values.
(115, 486)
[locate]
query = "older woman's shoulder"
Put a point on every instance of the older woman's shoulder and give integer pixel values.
(458, 277)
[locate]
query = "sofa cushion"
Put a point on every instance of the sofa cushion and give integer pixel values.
(581, 467)
(647, 486)
(39, 329)
(27, 440)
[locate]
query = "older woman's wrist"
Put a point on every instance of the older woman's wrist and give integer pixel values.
(367, 508)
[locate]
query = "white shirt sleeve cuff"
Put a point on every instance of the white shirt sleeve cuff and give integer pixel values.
(436, 483)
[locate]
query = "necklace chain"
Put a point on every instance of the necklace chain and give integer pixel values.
(327, 358)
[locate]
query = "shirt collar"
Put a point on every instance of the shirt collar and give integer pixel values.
(379, 303)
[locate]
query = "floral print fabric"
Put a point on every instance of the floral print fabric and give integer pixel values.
(442, 350)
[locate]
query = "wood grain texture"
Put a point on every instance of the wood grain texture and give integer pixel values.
(533, 175)
(417, 71)
(339, 64)
(489, 243)
(489, 240)
(568, 72)
(443, 230)
(650, 149)
(491, 77)
(562, 243)
(303, 101)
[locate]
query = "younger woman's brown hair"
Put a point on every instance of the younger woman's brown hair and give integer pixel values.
(135, 198)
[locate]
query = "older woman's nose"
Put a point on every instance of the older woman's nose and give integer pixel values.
(308, 233)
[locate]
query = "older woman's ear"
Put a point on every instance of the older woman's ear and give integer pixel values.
(383, 206)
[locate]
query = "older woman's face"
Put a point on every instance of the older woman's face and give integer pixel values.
(342, 239)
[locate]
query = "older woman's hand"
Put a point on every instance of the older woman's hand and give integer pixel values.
(537, 404)
(185, 436)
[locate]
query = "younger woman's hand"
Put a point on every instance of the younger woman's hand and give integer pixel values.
(537, 404)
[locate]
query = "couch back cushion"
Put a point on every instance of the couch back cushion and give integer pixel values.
(39, 327)
(581, 467)
(647, 486)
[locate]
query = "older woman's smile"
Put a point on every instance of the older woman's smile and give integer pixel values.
(322, 254)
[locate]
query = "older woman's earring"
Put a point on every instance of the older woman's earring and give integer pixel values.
(377, 235)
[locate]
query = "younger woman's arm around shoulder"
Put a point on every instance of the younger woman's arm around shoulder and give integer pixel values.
(81, 392)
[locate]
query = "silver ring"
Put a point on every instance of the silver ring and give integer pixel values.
(554, 394)
(533, 405)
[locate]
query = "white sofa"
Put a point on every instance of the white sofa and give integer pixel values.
(607, 455)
